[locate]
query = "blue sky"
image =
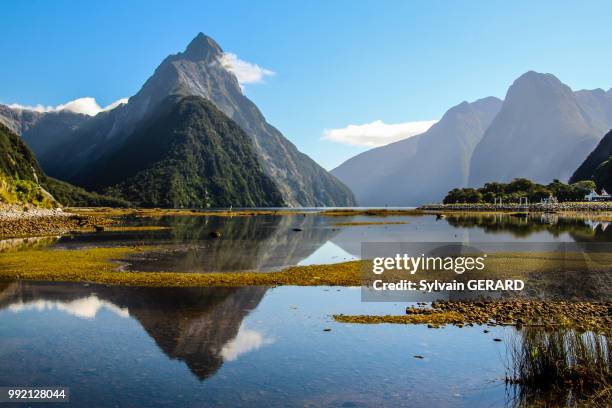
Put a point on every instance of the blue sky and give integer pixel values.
(336, 63)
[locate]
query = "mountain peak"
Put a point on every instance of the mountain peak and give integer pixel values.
(533, 76)
(536, 89)
(202, 48)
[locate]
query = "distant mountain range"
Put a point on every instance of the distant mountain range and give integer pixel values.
(190, 138)
(420, 169)
(542, 131)
(42, 131)
(76, 148)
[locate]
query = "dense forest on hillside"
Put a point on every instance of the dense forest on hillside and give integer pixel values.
(22, 181)
(189, 154)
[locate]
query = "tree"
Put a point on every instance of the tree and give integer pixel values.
(519, 185)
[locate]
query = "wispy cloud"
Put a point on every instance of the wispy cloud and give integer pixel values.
(247, 340)
(246, 72)
(377, 133)
(87, 106)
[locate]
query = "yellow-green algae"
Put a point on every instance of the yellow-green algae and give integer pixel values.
(437, 318)
(96, 265)
(550, 314)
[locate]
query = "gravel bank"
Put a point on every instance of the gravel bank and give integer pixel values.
(19, 221)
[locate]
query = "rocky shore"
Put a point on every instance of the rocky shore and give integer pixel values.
(536, 207)
(31, 221)
(553, 314)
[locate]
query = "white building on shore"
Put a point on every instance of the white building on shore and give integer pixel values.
(593, 196)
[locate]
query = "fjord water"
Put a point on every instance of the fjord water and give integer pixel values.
(268, 242)
(256, 346)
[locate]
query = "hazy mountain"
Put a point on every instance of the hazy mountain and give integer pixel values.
(42, 131)
(186, 154)
(22, 181)
(542, 132)
(597, 103)
(363, 173)
(198, 71)
(596, 166)
(422, 168)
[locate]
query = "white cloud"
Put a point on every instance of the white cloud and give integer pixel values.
(246, 72)
(377, 133)
(85, 308)
(247, 340)
(87, 106)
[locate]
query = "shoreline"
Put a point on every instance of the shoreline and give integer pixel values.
(548, 314)
(580, 207)
(24, 222)
(29, 222)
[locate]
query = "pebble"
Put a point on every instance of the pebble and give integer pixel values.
(16, 222)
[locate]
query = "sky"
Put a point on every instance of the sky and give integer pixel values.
(336, 77)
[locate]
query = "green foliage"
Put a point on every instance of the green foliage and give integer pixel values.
(572, 368)
(17, 191)
(603, 175)
(589, 168)
(22, 181)
(518, 189)
(189, 156)
(73, 196)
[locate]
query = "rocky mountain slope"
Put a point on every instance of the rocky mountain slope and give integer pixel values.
(542, 132)
(186, 154)
(42, 131)
(597, 165)
(422, 168)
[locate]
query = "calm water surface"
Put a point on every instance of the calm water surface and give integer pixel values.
(257, 346)
(265, 243)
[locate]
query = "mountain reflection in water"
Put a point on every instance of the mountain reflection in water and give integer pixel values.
(200, 326)
(260, 243)
(268, 242)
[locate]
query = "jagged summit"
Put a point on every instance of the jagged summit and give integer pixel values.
(202, 48)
